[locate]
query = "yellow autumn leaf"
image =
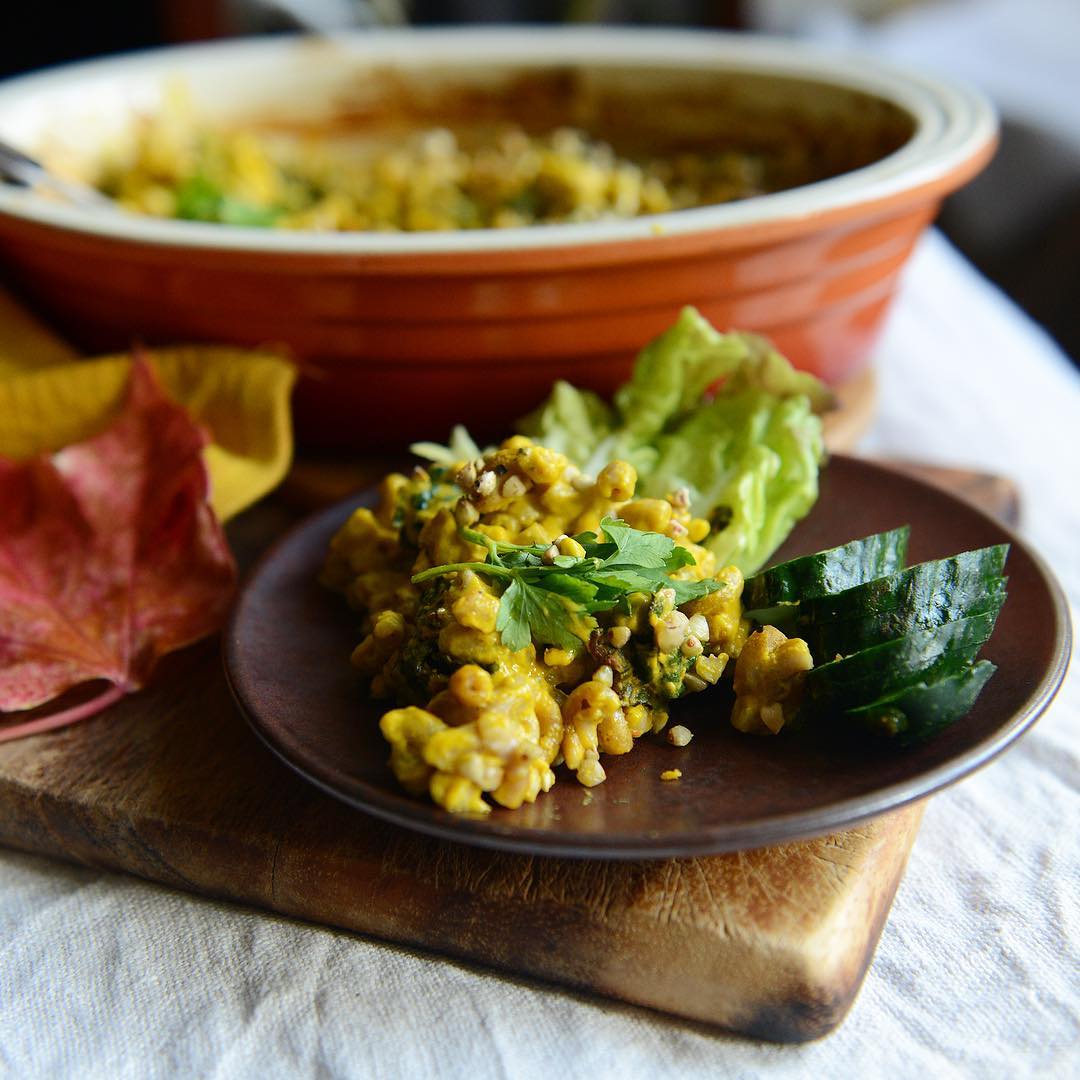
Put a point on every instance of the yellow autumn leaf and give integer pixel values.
(242, 397)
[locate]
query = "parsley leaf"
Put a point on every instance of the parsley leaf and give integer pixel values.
(627, 546)
(685, 591)
(679, 557)
(577, 588)
(551, 600)
(528, 613)
(633, 547)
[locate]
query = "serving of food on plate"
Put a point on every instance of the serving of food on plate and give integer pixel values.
(524, 610)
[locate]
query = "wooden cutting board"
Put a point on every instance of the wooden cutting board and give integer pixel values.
(171, 785)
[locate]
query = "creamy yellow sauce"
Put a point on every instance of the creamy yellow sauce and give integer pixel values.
(479, 724)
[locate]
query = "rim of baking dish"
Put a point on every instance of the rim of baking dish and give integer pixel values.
(954, 125)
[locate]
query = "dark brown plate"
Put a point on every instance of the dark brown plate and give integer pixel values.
(287, 649)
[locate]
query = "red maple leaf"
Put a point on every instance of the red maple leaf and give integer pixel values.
(110, 557)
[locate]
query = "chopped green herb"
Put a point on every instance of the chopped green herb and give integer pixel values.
(554, 602)
(200, 199)
(527, 612)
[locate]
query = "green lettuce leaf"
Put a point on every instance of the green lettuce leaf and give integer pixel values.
(749, 453)
(574, 422)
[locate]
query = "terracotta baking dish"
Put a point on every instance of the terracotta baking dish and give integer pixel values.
(402, 334)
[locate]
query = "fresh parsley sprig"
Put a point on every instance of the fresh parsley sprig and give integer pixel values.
(555, 603)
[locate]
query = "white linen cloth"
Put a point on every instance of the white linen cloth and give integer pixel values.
(1024, 56)
(977, 972)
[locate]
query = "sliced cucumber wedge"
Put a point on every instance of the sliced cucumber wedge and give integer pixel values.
(920, 711)
(952, 583)
(883, 669)
(895, 648)
(826, 572)
(918, 601)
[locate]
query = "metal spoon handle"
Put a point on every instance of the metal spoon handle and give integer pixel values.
(19, 168)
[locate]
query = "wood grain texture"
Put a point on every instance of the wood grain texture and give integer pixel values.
(856, 404)
(170, 785)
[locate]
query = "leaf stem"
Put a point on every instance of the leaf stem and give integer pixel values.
(65, 716)
(478, 538)
(497, 546)
(449, 568)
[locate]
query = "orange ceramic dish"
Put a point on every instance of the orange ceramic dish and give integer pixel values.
(399, 334)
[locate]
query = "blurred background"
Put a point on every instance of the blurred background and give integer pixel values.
(1019, 222)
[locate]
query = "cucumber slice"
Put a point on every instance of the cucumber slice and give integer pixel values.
(953, 584)
(920, 711)
(828, 571)
(921, 603)
(920, 656)
(847, 638)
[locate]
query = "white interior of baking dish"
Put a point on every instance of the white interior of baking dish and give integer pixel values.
(68, 114)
